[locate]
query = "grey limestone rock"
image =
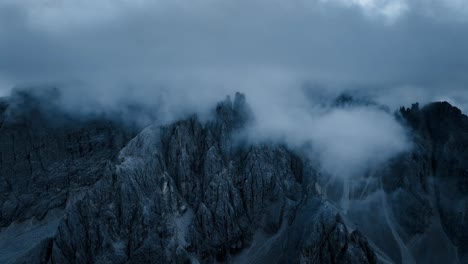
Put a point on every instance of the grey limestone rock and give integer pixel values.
(94, 191)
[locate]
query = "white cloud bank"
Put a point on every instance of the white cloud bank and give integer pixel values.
(288, 57)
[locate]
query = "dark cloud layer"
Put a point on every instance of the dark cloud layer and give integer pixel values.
(328, 42)
(287, 56)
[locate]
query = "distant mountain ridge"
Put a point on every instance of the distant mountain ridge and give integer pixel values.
(98, 191)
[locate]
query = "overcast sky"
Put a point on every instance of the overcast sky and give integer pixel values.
(413, 49)
(287, 56)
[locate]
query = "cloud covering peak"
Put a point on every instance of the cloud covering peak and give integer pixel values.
(289, 58)
(342, 44)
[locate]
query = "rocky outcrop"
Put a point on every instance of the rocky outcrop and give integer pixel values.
(436, 174)
(42, 163)
(189, 192)
(47, 160)
(184, 193)
(92, 191)
(413, 207)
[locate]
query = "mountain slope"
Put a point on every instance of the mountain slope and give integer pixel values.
(194, 192)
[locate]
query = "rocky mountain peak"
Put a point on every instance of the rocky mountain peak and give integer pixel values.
(186, 193)
(234, 115)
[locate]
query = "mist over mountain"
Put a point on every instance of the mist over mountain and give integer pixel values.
(222, 131)
(94, 189)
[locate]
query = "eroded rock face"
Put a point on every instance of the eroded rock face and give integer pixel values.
(183, 193)
(43, 162)
(435, 176)
(193, 192)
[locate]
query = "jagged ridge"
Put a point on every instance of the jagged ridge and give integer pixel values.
(189, 192)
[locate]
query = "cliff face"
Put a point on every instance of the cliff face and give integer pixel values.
(189, 192)
(435, 174)
(419, 198)
(47, 161)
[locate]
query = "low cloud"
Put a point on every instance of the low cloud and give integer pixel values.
(347, 140)
(290, 58)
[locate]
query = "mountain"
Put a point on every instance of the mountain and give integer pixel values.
(94, 190)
